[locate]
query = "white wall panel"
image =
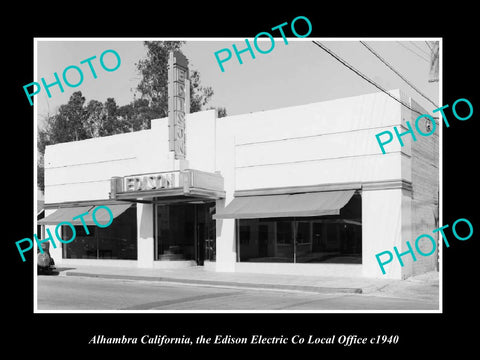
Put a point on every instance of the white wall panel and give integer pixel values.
(315, 147)
(349, 169)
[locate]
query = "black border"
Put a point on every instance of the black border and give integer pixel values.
(429, 333)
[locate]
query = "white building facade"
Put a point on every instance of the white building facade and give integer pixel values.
(297, 190)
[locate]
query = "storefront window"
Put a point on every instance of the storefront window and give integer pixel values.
(321, 239)
(266, 240)
(83, 247)
(117, 241)
(283, 249)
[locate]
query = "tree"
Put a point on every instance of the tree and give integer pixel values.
(221, 111)
(72, 117)
(111, 123)
(40, 175)
(136, 115)
(199, 95)
(68, 124)
(154, 71)
(154, 84)
(94, 118)
(76, 121)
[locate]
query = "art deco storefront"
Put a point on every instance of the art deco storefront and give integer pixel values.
(298, 190)
(183, 205)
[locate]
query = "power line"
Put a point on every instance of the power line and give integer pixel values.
(413, 52)
(426, 42)
(419, 48)
(396, 72)
(362, 75)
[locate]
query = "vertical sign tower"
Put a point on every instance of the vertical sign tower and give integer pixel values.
(178, 102)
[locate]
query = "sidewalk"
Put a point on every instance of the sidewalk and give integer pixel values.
(422, 286)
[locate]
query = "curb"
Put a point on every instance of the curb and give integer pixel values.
(305, 288)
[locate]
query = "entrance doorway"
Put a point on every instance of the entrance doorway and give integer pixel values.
(205, 232)
(185, 232)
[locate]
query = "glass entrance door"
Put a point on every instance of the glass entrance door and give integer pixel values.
(185, 231)
(200, 222)
(205, 232)
(175, 240)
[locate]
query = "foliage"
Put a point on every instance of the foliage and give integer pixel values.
(78, 121)
(154, 84)
(221, 111)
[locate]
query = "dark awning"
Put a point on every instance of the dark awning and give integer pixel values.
(288, 205)
(66, 214)
(103, 217)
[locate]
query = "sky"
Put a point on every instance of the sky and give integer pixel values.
(291, 74)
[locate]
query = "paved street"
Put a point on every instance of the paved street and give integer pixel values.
(86, 293)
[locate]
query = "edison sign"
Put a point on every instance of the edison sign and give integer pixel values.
(178, 102)
(151, 182)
